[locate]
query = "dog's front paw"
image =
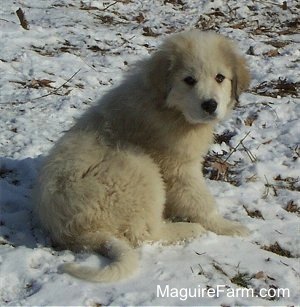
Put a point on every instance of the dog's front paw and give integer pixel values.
(230, 228)
(236, 229)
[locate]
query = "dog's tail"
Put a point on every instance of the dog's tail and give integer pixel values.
(124, 263)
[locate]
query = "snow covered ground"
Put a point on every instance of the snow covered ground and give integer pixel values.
(72, 53)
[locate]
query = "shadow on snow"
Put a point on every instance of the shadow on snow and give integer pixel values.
(18, 225)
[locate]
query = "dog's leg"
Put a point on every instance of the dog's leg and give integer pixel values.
(189, 199)
(170, 233)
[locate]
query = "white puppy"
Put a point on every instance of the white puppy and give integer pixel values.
(132, 164)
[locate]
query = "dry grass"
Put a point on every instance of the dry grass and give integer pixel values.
(217, 167)
(292, 207)
(242, 279)
(275, 88)
(254, 213)
(277, 249)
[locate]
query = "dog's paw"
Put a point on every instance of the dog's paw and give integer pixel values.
(230, 228)
(236, 229)
(179, 232)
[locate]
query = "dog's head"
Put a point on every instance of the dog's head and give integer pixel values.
(199, 74)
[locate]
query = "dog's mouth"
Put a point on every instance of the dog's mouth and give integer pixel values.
(203, 119)
(211, 117)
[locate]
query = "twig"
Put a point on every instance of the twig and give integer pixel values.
(202, 271)
(267, 186)
(284, 263)
(249, 153)
(235, 148)
(254, 214)
(107, 7)
(2, 19)
(48, 94)
(200, 254)
(22, 18)
(58, 88)
(219, 268)
(283, 5)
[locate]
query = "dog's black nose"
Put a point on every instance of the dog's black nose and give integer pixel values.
(209, 106)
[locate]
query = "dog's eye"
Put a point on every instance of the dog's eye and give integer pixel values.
(219, 78)
(190, 80)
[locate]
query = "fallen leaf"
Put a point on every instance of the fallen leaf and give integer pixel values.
(240, 25)
(221, 167)
(140, 18)
(272, 53)
(277, 44)
(250, 119)
(22, 18)
(284, 6)
(267, 142)
(292, 207)
(260, 275)
(149, 32)
(277, 249)
(224, 137)
(254, 213)
(40, 83)
(174, 2)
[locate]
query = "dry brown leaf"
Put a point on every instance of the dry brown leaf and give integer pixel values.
(272, 53)
(22, 18)
(292, 207)
(284, 6)
(254, 213)
(267, 142)
(224, 137)
(220, 167)
(250, 119)
(261, 275)
(274, 88)
(149, 32)
(40, 83)
(240, 25)
(174, 2)
(277, 249)
(140, 18)
(277, 44)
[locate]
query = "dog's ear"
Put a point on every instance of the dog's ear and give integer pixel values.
(158, 73)
(241, 76)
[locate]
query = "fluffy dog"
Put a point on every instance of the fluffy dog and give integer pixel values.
(131, 165)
